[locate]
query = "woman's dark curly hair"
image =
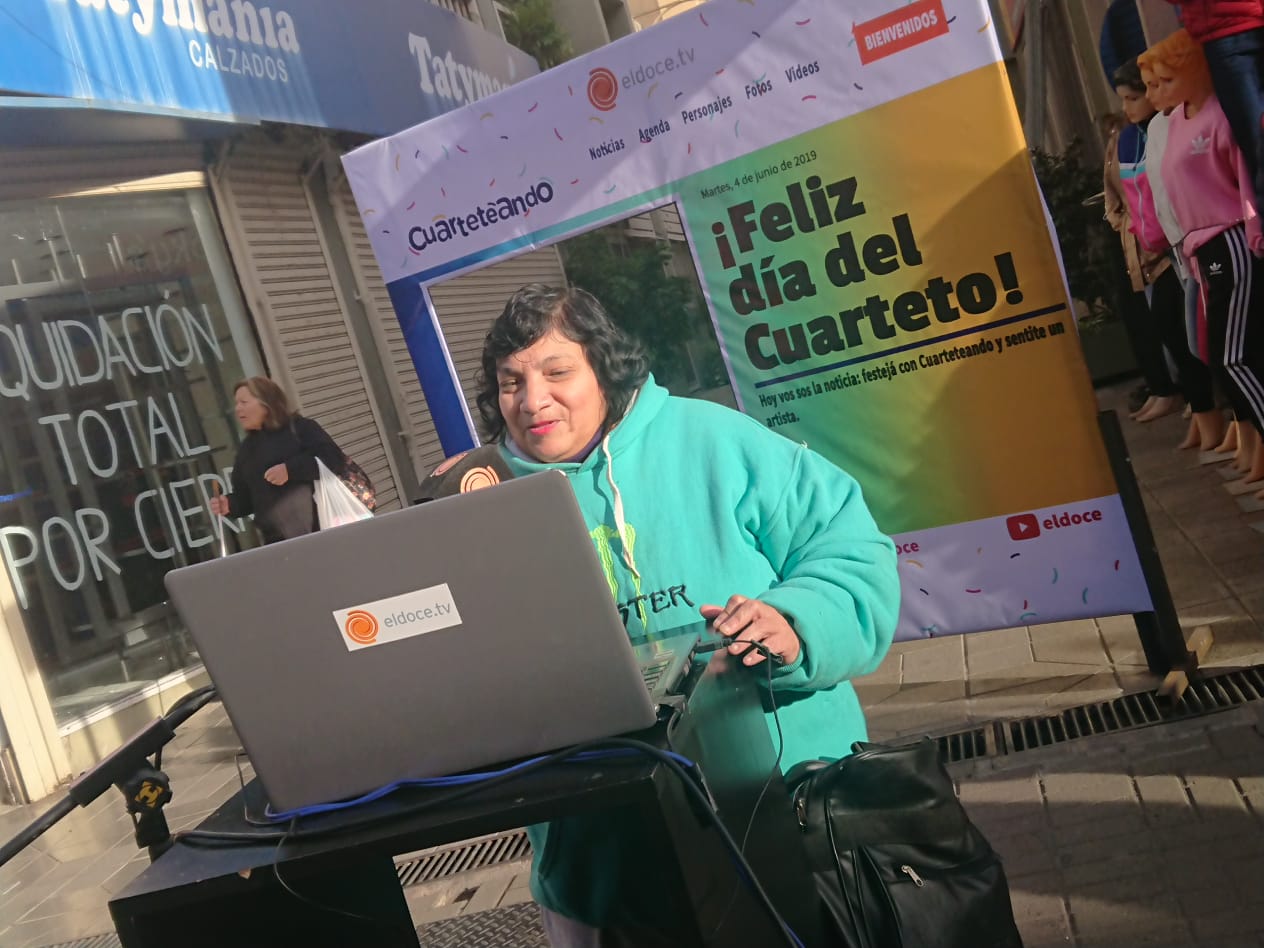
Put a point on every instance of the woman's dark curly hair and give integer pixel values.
(617, 359)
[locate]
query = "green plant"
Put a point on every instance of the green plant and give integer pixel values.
(531, 27)
(638, 293)
(1090, 249)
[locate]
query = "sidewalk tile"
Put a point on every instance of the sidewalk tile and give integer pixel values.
(1117, 856)
(1164, 801)
(1076, 642)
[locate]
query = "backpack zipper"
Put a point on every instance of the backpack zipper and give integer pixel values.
(912, 874)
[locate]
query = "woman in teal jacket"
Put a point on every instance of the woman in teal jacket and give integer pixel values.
(694, 509)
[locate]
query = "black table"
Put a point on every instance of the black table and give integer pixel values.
(343, 889)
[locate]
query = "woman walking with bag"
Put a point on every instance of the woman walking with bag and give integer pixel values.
(276, 470)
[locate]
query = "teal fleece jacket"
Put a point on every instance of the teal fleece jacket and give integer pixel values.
(710, 503)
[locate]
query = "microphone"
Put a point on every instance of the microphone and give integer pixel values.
(472, 470)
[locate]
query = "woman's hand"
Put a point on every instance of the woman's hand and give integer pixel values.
(277, 475)
(752, 620)
(219, 505)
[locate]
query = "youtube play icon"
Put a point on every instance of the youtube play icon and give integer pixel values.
(1023, 526)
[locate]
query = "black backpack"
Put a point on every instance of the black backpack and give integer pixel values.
(896, 860)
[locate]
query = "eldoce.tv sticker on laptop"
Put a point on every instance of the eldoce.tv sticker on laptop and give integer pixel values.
(399, 617)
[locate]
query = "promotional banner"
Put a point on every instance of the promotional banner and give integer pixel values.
(373, 68)
(859, 203)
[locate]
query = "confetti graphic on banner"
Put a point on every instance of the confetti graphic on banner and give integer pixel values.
(882, 303)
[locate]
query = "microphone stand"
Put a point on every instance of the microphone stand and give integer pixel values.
(219, 523)
(146, 789)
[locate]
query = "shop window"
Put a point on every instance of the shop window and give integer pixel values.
(121, 335)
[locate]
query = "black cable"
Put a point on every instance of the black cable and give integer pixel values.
(212, 837)
(276, 871)
(772, 775)
(690, 785)
(736, 852)
(744, 869)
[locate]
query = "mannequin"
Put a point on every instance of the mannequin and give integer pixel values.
(1131, 210)
(1211, 191)
(1179, 318)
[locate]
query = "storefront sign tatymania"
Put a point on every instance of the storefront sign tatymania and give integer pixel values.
(323, 63)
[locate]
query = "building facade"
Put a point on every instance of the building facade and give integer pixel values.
(1056, 69)
(173, 217)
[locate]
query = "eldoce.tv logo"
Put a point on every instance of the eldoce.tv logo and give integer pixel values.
(603, 89)
(361, 627)
(1028, 527)
(369, 624)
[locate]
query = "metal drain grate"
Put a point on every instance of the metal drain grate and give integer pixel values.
(109, 940)
(964, 745)
(518, 925)
(443, 861)
(1117, 714)
(1206, 695)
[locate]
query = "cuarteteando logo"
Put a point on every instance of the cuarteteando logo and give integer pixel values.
(447, 227)
(603, 89)
(370, 624)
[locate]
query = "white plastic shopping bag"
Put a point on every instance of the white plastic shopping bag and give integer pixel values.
(335, 504)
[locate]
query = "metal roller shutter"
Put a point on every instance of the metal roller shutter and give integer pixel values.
(423, 440)
(469, 304)
(670, 217)
(663, 222)
(278, 252)
(46, 172)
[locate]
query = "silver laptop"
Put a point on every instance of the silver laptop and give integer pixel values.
(423, 642)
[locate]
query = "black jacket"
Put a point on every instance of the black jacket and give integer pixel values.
(289, 510)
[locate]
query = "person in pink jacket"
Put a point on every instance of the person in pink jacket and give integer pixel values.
(1210, 189)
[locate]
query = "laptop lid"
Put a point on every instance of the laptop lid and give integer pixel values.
(426, 641)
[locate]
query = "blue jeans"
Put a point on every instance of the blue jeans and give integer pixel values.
(1237, 73)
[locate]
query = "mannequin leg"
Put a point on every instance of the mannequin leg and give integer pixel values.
(1211, 429)
(1229, 443)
